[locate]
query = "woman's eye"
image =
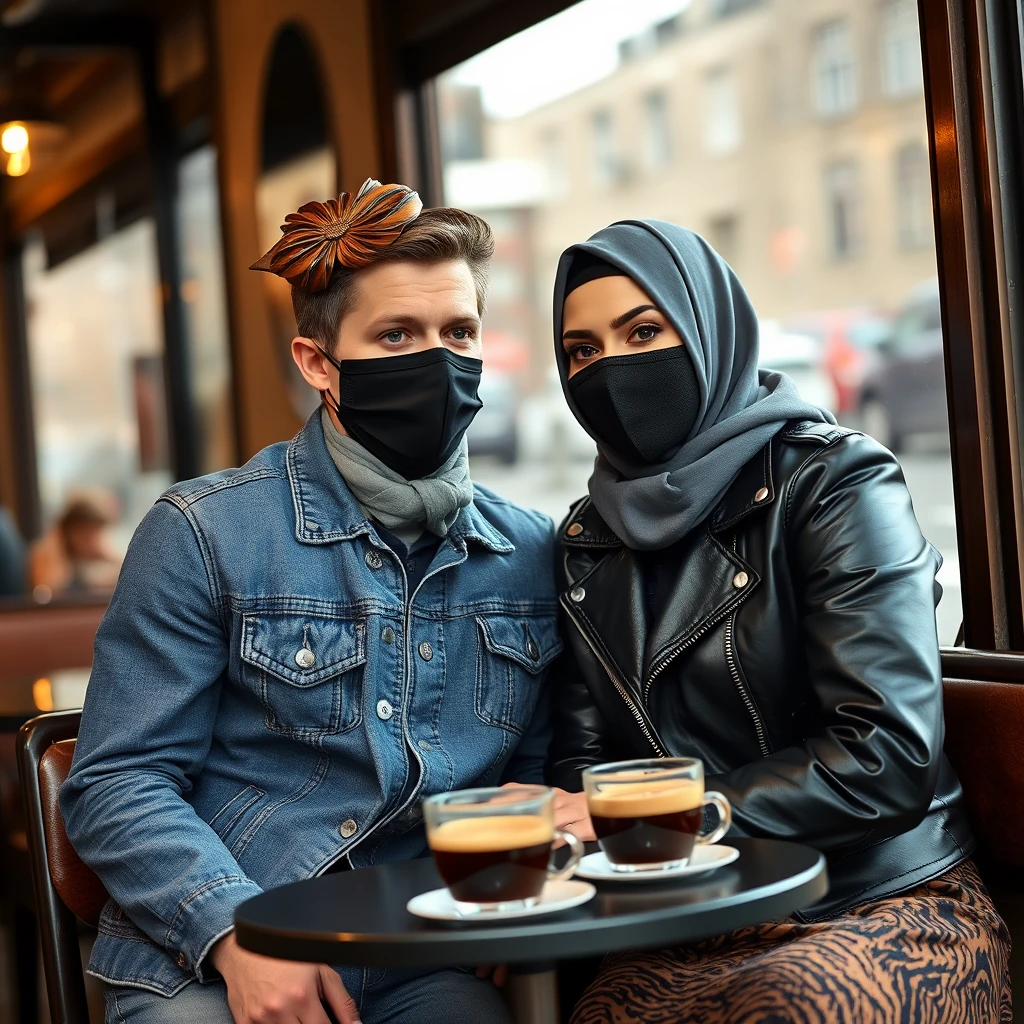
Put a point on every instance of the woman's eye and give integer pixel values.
(646, 332)
(582, 352)
(394, 337)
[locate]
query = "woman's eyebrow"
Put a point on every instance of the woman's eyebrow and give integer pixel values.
(626, 317)
(578, 336)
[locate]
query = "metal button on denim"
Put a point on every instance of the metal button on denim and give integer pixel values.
(761, 494)
(740, 580)
(577, 594)
(348, 829)
(426, 651)
(388, 635)
(305, 658)
(182, 962)
(384, 710)
(532, 649)
(373, 559)
(424, 745)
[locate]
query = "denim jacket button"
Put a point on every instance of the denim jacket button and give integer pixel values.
(426, 651)
(384, 710)
(424, 745)
(532, 650)
(305, 658)
(348, 829)
(388, 635)
(373, 559)
(182, 962)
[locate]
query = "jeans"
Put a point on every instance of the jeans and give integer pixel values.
(383, 997)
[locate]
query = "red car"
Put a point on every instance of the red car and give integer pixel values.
(848, 338)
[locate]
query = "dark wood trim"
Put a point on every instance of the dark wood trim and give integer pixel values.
(433, 37)
(969, 266)
(161, 143)
(1003, 667)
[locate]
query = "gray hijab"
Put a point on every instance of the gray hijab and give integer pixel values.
(741, 408)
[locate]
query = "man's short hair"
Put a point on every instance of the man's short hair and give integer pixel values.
(435, 236)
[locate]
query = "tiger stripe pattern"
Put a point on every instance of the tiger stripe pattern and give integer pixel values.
(937, 954)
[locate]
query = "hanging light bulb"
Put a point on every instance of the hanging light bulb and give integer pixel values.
(23, 122)
(14, 139)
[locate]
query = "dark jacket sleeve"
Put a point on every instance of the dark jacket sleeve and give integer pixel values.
(864, 578)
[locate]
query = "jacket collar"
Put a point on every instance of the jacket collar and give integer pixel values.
(326, 511)
(752, 489)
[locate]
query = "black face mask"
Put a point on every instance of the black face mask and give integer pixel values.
(642, 407)
(410, 411)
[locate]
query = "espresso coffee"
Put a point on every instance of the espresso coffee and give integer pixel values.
(493, 858)
(648, 822)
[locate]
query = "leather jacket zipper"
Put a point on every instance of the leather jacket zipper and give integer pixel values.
(618, 686)
(730, 657)
(676, 651)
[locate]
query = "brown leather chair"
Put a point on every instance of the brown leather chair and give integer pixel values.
(984, 703)
(65, 889)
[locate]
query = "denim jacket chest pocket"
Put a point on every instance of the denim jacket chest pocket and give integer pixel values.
(306, 669)
(512, 653)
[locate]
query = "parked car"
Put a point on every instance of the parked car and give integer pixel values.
(849, 338)
(905, 393)
(495, 431)
(801, 358)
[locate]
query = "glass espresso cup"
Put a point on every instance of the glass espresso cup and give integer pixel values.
(492, 847)
(648, 814)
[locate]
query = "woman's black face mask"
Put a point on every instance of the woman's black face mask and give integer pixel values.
(642, 407)
(410, 411)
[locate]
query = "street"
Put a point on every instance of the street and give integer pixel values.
(552, 487)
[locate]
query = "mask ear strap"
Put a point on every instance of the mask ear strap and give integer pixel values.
(332, 405)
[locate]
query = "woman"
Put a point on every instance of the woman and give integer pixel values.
(746, 583)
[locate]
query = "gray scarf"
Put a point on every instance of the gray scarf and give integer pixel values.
(397, 503)
(651, 507)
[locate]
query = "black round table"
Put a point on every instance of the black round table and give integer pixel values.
(358, 918)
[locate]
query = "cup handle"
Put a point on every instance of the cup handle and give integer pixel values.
(576, 852)
(724, 809)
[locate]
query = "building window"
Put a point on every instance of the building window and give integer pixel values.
(657, 134)
(913, 197)
(842, 198)
(901, 49)
(556, 175)
(606, 166)
(723, 129)
(835, 69)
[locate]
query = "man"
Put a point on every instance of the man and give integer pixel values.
(299, 650)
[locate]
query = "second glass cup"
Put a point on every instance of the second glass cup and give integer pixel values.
(492, 847)
(648, 814)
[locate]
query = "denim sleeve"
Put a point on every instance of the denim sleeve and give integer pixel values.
(147, 725)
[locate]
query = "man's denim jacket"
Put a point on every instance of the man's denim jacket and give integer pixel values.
(266, 699)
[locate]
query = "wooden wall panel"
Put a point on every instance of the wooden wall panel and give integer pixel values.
(243, 33)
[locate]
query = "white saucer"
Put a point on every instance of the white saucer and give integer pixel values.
(705, 858)
(438, 904)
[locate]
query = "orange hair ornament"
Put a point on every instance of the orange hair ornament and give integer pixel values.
(350, 231)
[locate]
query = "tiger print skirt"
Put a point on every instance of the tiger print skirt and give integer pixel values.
(937, 954)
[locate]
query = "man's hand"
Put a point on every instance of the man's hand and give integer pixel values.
(571, 813)
(263, 990)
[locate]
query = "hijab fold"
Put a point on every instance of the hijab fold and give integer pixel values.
(741, 407)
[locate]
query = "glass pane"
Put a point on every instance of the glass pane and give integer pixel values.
(797, 146)
(206, 323)
(96, 361)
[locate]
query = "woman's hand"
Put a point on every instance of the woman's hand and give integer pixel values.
(571, 812)
(262, 990)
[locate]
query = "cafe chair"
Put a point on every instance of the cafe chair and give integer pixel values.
(66, 890)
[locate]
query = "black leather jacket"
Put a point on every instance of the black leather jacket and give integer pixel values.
(796, 655)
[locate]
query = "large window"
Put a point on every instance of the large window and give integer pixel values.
(825, 219)
(835, 69)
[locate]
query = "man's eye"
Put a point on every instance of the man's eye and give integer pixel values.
(462, 334)
(394, 337)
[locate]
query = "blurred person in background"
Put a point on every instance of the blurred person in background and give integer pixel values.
(12, 557)
(76, 554)
(300, 650)
(765, 601)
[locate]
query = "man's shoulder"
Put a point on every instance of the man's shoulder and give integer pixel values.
(521, 525)
(263, 469)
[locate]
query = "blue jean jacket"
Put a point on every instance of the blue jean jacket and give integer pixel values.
(267, 699)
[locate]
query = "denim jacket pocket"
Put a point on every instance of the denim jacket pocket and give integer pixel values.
(307, 670)
(512, 653)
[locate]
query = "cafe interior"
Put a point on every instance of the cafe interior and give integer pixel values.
(150, 151)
